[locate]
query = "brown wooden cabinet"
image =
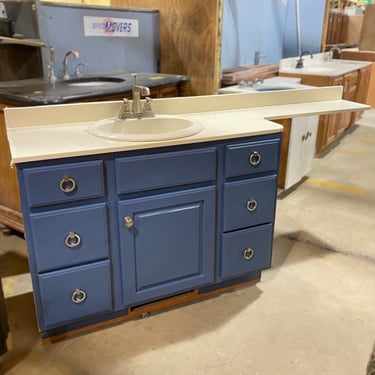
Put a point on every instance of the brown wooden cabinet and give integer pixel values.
(356, 54)
(355, 85)
(10, 205)
(363, 85)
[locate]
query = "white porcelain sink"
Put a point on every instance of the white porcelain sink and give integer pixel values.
(326, 68)
(161, 127)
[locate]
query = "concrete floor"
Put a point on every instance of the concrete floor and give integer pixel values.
(312, 313)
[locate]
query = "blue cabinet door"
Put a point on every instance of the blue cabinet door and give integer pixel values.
(167, 243)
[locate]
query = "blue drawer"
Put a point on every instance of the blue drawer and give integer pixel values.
(167, 169)
(249, 202)
(246, 251)
(252, 157)
(65, 237)
(63, 183)
(75, 293)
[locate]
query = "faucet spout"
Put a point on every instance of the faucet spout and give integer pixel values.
(138, 92)
(300, 60)
(65, 74)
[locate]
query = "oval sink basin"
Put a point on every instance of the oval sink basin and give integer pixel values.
(273, 88)
(93, 81)
(149, 129)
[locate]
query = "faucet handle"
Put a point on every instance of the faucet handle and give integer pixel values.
(77, 70)
(148, 106)
(134, 75)
(147, 109)
(125, 109)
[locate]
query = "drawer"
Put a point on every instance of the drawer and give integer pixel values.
(249, 202)
(65, 237)
(252, 157)
(75, 293)
(63, 183)
(167, 169)
(246, 250)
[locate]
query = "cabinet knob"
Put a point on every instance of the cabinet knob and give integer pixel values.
(72, 240)
(248, 253)
(251, 205)
(79, 296)
(128, 222)
(255, 158)
(67, 185)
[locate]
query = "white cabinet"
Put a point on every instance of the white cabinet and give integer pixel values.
(301, 148)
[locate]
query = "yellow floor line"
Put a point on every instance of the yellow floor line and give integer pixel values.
(367, 139)
(351, 152)
(340, 187)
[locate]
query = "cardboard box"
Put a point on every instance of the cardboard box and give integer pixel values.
(367, 40)
(351, 29)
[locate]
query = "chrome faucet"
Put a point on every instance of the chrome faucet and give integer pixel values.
(65, 74)
(242, 84)
(331, 52)
(300, 60)
(257, 57)
(137, 108)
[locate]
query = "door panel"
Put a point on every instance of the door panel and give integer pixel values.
(167, 243)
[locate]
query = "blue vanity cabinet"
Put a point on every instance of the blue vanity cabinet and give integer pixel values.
(107, 234)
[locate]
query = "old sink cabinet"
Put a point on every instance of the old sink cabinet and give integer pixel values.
(355, 87)
(111, 232)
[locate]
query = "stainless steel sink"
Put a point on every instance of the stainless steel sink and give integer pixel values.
(93, 81)
(161, 127)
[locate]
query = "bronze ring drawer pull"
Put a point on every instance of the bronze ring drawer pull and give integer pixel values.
(67, 185)
(79, 296)
(255, 158)
(251, 205)
(72, 240)
(128, 222)
(248, 253)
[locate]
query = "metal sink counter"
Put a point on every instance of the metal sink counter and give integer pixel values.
(39, 91)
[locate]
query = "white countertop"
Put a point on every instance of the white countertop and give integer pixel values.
(321, 64)
(58, 131)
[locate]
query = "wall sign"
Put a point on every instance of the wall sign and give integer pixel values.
(108, 26)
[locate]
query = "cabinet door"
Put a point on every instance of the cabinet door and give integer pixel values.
(167, 243)
(301, 148)
(74, 293)
(246, 250)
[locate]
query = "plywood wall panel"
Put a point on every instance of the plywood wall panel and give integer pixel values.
(190, 36)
